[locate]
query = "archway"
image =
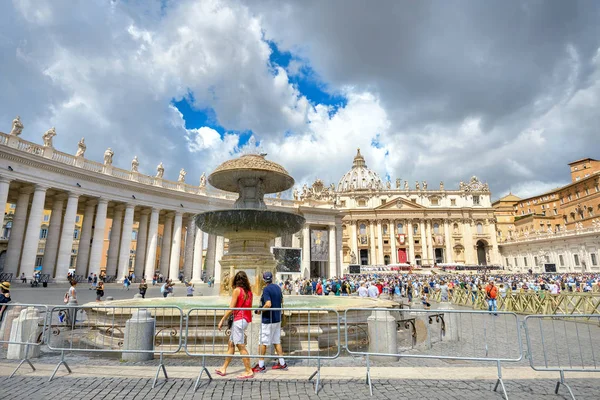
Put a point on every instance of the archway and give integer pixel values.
(481, 253)
(386, 259)
(439, 256)
(418, 260)
(2, 261)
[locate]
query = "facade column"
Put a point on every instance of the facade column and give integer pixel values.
(32, 233)
(372, 251)
(176, 246)
(468, 239)
(150, 268)
(306, 251)
(197, 265)
(295, 240)
(188, 260)
(51, 250)
(430, 251)
(380, 243)
(354, 241)
(278, 241)
(393, 231)
(83, 251)
(339, 243)
(424, 252)
(98, 236)
(125, 250)
(115, 239)
(448, 242)
(332, 252)
(140, 247)
(219, 250)
(4, 188)
(65, 249)
(15, 242)
(495, 256)
(165, 250)
(411, 242)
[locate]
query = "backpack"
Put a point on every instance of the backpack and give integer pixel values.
(163, 288)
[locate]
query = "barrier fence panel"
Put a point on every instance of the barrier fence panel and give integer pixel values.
(563, 343)
(309, 334)
(435, 334)
(22, 332)
(138, 333)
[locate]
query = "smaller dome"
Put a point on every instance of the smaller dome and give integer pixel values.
(360, 177)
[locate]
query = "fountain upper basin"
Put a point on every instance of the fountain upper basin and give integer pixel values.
(223, 222)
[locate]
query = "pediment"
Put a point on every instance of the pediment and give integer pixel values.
(401, 204)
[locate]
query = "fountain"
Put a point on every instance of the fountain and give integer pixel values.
(249, 226)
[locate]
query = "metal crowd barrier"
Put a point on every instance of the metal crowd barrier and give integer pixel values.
(136, 332)
(22, 331)
(310, 334)
(563, 343)
(457, 335)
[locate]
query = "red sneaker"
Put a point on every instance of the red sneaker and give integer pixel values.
(257, 369)
(280, 367)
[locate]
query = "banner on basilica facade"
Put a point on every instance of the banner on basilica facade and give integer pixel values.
(401, 239)
(319, 245)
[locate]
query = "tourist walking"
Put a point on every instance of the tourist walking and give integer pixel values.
(240, 298)
(270, 331)
(491, 292)
(100, 291)
(143, 288)
(126, 282)
(4, 297)
(189, 289)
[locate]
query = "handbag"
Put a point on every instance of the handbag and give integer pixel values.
(230, 321)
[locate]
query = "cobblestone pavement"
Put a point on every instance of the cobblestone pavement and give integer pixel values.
(122, 388)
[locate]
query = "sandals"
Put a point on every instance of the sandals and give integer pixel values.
(245, 376)
(220, 373)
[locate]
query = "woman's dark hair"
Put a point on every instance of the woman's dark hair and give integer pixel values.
(73, 282)
(241, 280)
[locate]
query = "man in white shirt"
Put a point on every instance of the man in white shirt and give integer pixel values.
(373, 291)
(362, 291)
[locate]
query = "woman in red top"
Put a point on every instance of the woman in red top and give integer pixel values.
(241, 298)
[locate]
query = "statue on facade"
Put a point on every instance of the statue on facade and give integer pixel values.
(203, 180)
(108, 156)
(47, 136)
(424, 185)
(388, 184)
(305, 192)
(135, 164)
(417, 185)
(352, 257)
(81, 147)
(397, 183)
(406, 186)
(278, 196)
(461, 185)
(160, 171)
(182, 175)
(17, 126)
(295, 194)
(442, 185)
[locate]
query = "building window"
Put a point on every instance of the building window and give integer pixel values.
(587, 191)
(383, 201)
(555, 212)
(413, 200)
(436, 228)
(453, 202)
(479, 228)
(594, 259)
(535, 260)
(476, 200)
(41, 250)
(134, 235)
(506, 261)
(77, 219)
(13, 206)
(362, 229)
(362, 203)
(561, 260)
(516, 262)
(73, 251)
(400, 228)
(415, 228)
(38, 261)
(72, 261)
(385, 229)
(576, 258)
(569, 197)
(46, 217)
(435, 202)
(343, 203)
(43, 233)
(500, 234)
(76, 234)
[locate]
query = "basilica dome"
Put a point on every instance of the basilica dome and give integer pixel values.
(359, 177)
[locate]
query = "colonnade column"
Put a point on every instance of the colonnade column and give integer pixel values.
(332, 252)
(15, 243)
(98, 236)
(278, 241)
(188, 260)
(125, 252)
(339, 243)
(83, 251)
(393, 231)
(306, 251)
(150, 268)
(197, 265)
(115, 238)
(295, 240)
(380, 243)
(219, 250)
(423, 242)
(32, 234)
(176, 246)
(430, 251)
(165, 250)
(140, 248)
(448, 242)
(53, 238)
(4, 188)
(411, 242)
(210, 256)
(63, 261)
(373, 252)
(354, 241)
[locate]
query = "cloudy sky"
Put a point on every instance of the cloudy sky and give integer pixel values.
(429, 90)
